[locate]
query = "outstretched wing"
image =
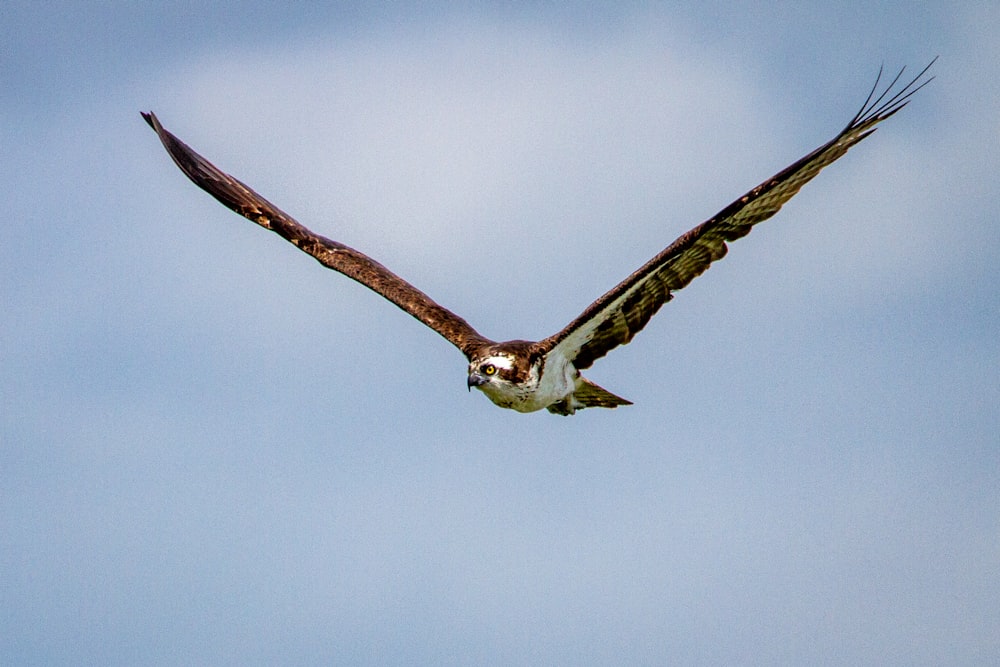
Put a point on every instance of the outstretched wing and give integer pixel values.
(331, 254)
(617, 316)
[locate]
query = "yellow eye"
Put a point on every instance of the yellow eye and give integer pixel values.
(489, 369)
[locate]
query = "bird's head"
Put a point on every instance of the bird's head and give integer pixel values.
(491, 371)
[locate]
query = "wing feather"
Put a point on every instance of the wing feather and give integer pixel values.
(331, 254)
(618, 315)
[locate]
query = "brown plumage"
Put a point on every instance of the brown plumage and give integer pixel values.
(624, 311)
(242, 199)
(518, 366)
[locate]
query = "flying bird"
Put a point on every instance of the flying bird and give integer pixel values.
(528, 376)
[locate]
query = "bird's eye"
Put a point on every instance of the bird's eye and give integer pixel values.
(489, 369)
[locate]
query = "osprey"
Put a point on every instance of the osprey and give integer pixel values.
(528, 376)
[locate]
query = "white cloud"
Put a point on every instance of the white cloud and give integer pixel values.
(480, 149)
(515, 157)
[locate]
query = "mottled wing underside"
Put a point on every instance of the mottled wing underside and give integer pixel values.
(617, 316)
(331, 254)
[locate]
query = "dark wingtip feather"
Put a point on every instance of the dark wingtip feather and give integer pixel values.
(882, 107)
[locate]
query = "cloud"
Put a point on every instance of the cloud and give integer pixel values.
(487, 149)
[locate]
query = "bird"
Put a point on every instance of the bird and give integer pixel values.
(527, 376)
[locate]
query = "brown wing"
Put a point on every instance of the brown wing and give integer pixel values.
(337, 256)
(617, 316)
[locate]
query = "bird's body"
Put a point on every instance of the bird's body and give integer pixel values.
(514, 375)
(527, 376)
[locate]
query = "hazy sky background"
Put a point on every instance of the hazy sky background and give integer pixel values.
(214, 451)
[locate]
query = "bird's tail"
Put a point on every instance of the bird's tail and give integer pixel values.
(587, 395)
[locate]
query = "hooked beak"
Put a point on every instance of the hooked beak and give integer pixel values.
(475, 380)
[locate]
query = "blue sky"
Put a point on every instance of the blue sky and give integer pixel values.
(215, 451)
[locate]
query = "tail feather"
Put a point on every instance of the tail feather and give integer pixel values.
(587, 395)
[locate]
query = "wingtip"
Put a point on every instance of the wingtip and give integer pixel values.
(151, 119)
